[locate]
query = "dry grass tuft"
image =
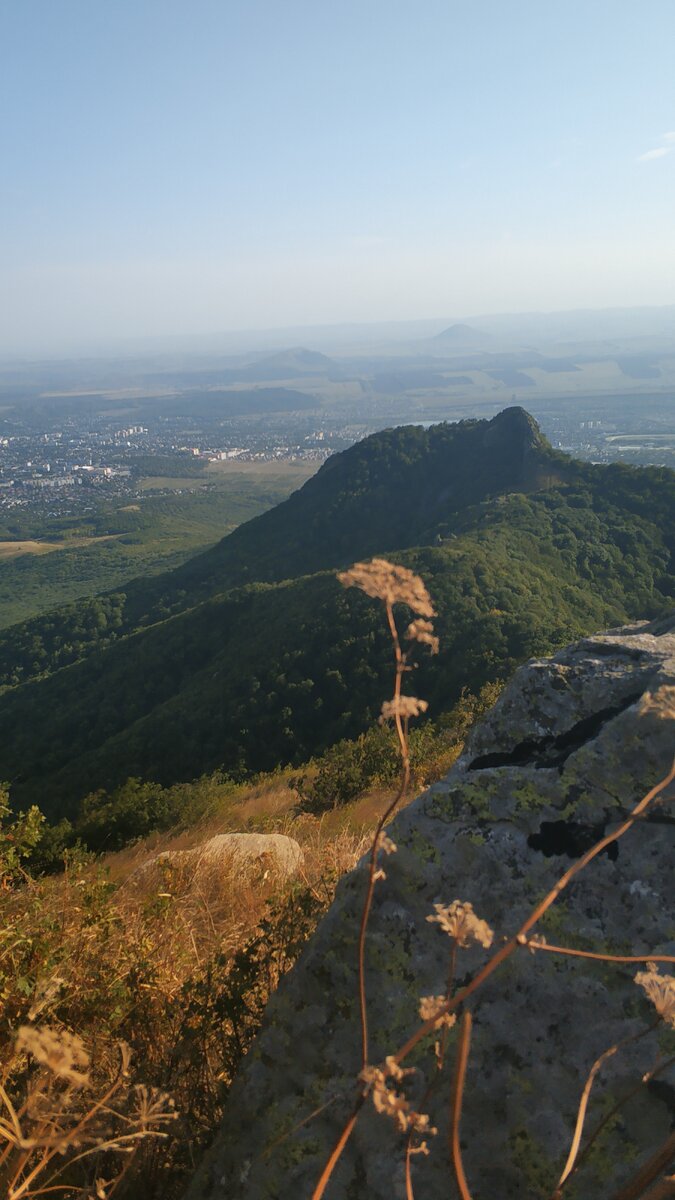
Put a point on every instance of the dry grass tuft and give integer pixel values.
(168, 968)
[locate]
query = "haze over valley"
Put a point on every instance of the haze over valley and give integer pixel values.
(130, 464)
(337, 600)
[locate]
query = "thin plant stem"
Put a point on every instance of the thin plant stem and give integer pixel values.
(401, 732)
(409, 1194)
(456, 1104)
(15, 1126)
(45, 1191)
(612, 958)
(372, 871)
(448, 991)
(648, 1173)
(663, 1190)
(284, 1137)
(646, 1078)
(337, 1151)
(585, 1097)
(24, 1185)
(442, 1046)
(365, 914)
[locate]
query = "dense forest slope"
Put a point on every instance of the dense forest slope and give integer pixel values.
(391, 491)
(251, 654)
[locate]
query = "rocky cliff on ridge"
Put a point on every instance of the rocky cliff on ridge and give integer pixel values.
(566, 752)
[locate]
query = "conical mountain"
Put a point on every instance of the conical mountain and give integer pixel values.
(292, 364)
(386, 492)
(462, 337)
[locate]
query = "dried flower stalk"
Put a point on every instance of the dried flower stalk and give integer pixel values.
(456, 1104)
(394, 585)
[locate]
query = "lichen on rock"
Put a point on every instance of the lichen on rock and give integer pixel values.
(563, 756)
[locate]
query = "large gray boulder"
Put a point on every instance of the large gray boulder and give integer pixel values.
(256, 855)
(273, 852)
(564, 754)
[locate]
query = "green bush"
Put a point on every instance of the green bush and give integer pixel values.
(350, 768)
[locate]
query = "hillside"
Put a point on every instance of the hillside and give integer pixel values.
(391, 491)
(56, 561)
(251, 654)
(291, 364)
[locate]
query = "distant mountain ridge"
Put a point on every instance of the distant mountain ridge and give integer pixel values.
(463, 337)
(251, 654)
(293, 363)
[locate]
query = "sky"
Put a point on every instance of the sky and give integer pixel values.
(190, 166)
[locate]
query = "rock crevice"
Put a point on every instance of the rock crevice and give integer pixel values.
(553, 750)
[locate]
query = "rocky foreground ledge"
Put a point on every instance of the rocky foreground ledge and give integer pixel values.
(561, 758)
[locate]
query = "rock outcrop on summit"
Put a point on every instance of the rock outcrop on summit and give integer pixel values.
(565, 753)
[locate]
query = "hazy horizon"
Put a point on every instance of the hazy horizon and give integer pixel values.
(545, 328)
(175, 171)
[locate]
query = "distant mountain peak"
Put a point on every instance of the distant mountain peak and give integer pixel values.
(300, 356)
(517, 421)
(291, 363)
(462, 336)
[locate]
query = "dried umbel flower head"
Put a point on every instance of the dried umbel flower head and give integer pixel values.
(423, 631)
(661, 703)
(61, 1052)
(385, 843)
(389, 1101)
(431, 1009)
(404, 707)
(461, 923)
(386, 581)
(660, 990)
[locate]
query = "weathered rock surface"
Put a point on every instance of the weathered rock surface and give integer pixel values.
(562, 757)
(273, 851)
(242, 853)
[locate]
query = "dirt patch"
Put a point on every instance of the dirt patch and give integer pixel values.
(277, 467)
(14, 549)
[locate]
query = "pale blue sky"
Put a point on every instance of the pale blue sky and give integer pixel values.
(181, 167)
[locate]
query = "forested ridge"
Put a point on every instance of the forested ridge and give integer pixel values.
(389, 492)
(251, 654)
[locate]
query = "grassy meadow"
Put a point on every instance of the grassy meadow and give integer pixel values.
(101, 550)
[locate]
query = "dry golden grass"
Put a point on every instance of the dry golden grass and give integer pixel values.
(158, 972)
(176, 965)
(14, 549)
